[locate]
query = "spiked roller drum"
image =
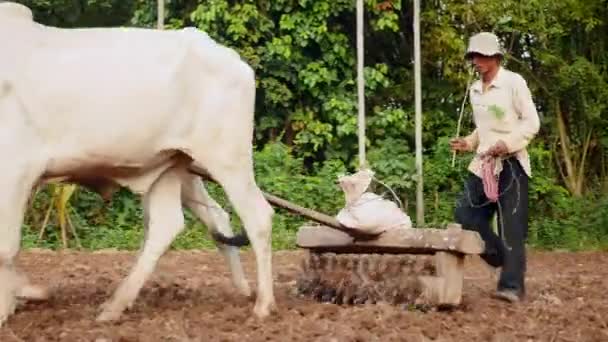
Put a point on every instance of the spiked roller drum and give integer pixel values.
(420, 267)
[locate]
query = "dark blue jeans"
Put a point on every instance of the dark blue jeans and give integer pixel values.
(474, 212)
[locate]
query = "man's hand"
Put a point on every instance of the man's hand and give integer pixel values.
(459, 145)
(499, 149)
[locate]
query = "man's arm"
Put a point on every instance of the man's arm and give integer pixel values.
(529, 122)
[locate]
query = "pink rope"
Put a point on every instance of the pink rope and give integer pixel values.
(490, 181)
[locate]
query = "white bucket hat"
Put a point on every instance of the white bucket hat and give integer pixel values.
(484, 43)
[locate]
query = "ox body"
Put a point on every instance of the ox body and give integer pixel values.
(110, 107)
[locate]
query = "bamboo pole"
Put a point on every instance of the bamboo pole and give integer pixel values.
(160, 18)
(361, 85)
(418, 117)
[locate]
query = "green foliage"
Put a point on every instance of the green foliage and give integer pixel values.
(304, 56)
(77, 13)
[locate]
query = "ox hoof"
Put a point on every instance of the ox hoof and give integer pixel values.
(6, 310)
(33, 292)
(109, 312)
(262, 311)
(10, 283)
(244, 289)
(109, 316)
(8, 305)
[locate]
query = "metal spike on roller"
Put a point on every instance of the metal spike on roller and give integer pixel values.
(353, 279)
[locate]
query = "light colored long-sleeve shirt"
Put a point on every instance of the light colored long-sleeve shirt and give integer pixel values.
(504, 111)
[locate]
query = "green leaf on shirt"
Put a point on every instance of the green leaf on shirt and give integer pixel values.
(498, 112)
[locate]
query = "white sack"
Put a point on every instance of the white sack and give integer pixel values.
(367, 211)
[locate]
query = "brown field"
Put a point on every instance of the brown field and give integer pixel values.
(190, 298)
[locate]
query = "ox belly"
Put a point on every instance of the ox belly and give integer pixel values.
(104, 174)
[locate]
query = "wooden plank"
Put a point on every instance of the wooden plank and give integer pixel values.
(318, 217)
(450, 267)
(413, 241)
(316, 236)
(432, 290)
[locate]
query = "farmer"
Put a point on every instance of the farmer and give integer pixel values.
(506, 120)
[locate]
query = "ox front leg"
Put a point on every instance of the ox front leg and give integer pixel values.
(16, 186)
(196, 198)
(165, 220)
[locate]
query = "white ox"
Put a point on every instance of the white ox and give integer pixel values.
(107, 107)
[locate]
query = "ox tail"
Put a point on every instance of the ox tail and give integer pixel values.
(239, 240)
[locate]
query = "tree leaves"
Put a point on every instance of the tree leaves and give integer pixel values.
(304, 56)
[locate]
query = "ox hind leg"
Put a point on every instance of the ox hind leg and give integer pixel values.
(229, 160)
(164, 220)
(256, 214)
(16, 184)
(196, 198)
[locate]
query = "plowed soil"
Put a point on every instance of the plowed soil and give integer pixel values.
(190, 298)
